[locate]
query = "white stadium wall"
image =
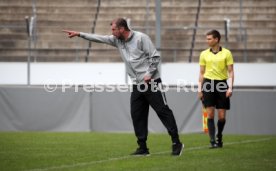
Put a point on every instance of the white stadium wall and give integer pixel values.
(34, 108)
(106, 73)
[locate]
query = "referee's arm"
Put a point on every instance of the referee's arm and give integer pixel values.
(200, 80)
(230, 80)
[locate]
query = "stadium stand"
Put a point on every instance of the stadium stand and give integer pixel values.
(252, 28)
(50, 43)
(252, 35)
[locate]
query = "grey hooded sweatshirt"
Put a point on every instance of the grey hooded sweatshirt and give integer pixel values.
(138, 52)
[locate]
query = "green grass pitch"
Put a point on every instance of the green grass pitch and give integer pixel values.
(45, 151)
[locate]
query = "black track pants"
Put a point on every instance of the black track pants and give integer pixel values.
(141, 98)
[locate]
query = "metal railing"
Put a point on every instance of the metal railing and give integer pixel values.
(31, 32)
(194, 30)
(93, 28)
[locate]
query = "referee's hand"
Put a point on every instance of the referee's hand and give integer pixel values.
(229, 93)
(200, 95)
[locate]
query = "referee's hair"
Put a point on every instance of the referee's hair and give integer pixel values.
(121, 22)
(214, 33)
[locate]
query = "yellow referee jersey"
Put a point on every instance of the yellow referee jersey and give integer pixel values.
(216, 64)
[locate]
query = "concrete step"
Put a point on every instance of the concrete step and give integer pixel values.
(251, 3)
(235, 10)
(125, 3)
(235, 38)
(50, 16)
(48, 2)
(64, 43)
(165, 23)
(112, 55)
(49, 55)
(250, 31)
(48, 9)
(239, 45)
(246, 24)
(263, 17)
(144, 16)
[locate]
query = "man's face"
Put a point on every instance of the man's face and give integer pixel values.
(211, 40)
(117, 32)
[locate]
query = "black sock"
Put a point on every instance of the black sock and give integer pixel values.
(211, 129)
(220, 124)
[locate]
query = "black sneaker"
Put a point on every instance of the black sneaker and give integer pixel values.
(177, 149)
(141, 152)
(213, 145)
(220, 144)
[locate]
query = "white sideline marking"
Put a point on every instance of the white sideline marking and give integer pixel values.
(129, 156)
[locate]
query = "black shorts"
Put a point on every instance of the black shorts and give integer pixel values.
(214, 94)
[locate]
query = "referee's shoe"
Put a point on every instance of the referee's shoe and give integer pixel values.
(177, 149)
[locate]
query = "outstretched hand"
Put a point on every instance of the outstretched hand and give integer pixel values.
(71, 33)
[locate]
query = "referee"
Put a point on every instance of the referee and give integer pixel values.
(216, 66)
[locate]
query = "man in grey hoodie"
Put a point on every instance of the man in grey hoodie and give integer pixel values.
(141, 59)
